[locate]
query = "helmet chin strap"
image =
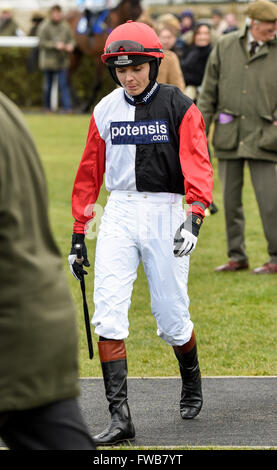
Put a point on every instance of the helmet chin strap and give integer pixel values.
(154, 69)
(113, 74)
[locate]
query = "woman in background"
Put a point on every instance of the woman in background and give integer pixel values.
(194, 63)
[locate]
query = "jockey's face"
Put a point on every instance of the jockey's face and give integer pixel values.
(134, 79)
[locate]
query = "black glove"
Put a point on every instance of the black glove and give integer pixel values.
(80, 238)
(75, 267)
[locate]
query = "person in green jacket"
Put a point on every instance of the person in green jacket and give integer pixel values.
(8, 26)
(56, 42)
(38, 333)
(239, 92)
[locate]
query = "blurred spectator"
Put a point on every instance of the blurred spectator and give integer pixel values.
(170, 19)
(219, 24)
(194, 63)
(232, 24)
(36, 19)
(187, 37)
(193, 68)
(187, 21)
(56, 43)
(167, 36)
(39, 376)
(8, 26)
(32, 60)
(168, 28)
(170, 71)
(241, 98)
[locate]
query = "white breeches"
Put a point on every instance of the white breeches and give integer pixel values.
(140, 227)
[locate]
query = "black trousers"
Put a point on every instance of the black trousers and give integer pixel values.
(57, 426)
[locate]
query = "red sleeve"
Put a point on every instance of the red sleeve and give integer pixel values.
(88, 179)
(195, 161)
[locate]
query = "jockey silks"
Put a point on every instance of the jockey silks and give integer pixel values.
(158, 146)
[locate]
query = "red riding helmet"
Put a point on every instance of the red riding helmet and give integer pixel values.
(131, 38)
(132, 43)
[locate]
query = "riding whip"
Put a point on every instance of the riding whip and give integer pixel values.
(79, 260)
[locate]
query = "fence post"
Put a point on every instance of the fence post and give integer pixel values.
(54, 97)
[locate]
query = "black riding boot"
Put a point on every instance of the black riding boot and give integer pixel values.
(191, 394)
(114, 367)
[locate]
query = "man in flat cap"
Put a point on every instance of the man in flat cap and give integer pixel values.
(239, 93)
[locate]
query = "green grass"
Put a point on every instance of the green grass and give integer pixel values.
(234, 314)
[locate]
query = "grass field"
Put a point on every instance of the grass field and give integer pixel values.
(234, 314)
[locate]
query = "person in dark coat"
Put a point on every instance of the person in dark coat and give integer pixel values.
(195, 60)
(32, 60)
(193, 65)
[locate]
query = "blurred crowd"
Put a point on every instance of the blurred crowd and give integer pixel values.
(187, 42)
(186, 39)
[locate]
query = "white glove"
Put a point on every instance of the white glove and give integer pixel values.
(186, 236)
(71, 261)
(184, 242)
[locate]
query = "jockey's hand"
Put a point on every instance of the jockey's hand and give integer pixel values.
(186, 236)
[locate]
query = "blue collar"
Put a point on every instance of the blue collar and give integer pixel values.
(145, 97)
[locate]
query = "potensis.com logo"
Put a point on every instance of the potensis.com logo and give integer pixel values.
(139, 132)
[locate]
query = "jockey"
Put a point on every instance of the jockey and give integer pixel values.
(149, 141)
(94, 15)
